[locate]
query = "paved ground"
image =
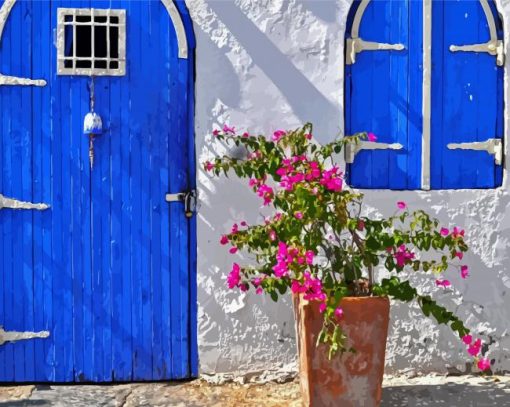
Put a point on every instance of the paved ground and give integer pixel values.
(429, 391)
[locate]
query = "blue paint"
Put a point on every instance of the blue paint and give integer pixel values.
(383, 95)
(110, 268)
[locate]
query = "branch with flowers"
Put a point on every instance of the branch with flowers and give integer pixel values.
(318, 243)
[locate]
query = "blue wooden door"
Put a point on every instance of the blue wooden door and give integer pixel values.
(386, 93)
(108, 270)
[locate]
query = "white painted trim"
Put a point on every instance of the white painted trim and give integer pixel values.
(426, 96)
(5, 11)
(180, 32)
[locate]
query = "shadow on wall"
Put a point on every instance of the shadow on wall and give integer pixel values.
(451, 394)
(306, 100)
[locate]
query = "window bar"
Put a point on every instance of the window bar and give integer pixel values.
(93, 48)
(108, 55)
(74, 41)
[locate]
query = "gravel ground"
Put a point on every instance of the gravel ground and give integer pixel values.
(430, 391)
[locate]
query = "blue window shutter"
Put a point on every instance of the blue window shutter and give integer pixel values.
(467, 97)
(383, 96)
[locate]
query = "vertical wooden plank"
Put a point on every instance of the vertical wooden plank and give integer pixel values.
(48, 16)
(117, 135)
(415, 90)
(16, 132)
(361, 93)
(169, 50)
(158, 131)
(399, 171)
(2, 220)
(136, 120)
(126, 373)
(89, 304)
(438, 140)
(27, 266)
(58, 270)
(39, 69)
(376, 26)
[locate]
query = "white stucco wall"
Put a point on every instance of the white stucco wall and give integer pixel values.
(269, 64)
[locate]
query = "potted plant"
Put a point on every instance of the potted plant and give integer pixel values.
(319, 245)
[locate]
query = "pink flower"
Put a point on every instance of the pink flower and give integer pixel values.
(460, 255)
(361, 225)
(457, 232)
(266, 193)
(216, 132)
(401, 205)
(474, 349)
(227, 129)
(308, 136)
(272, 235)
(278, 134)
(464, 271)
(243, 287)
(403, 255)
(444, 232)
(259, 290)
(484, 364)
(246, 135)
(332, 180)
(208, 166)
(443, 283)
(339, 312)
(234, 277)
(224, 240)
(296, 288)
(233, 250)
(244, 224)
(371, 137)
(298, 215)
(467, 339)
(322, 307)
(235, 228)
(309, 255)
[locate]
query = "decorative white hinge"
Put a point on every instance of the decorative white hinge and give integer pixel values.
(495, 48)
(351, 149)
(13, 336)
(10, 203)
(493, 146)
(354, 46)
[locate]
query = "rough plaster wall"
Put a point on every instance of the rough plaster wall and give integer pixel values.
(269, 64)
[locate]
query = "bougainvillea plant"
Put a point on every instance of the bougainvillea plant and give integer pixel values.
(317, 241)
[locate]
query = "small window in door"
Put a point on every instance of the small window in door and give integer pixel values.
(91, 42)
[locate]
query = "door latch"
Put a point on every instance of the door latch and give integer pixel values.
(13, 336)
(352, 149)
(189, 198)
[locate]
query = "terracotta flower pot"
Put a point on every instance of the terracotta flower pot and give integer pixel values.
(349, 379)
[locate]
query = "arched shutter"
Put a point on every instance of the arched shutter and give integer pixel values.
(382, 96)
(467, 95)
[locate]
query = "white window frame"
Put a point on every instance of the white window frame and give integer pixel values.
(91, 12)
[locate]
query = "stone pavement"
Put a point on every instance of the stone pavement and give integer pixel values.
(429, 391)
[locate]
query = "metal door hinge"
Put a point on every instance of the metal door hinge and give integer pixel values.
(351, 149)
(13, 336)
(11, 203)
(354, 46)
(495, 48)
(189, 198)
(493, 146)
